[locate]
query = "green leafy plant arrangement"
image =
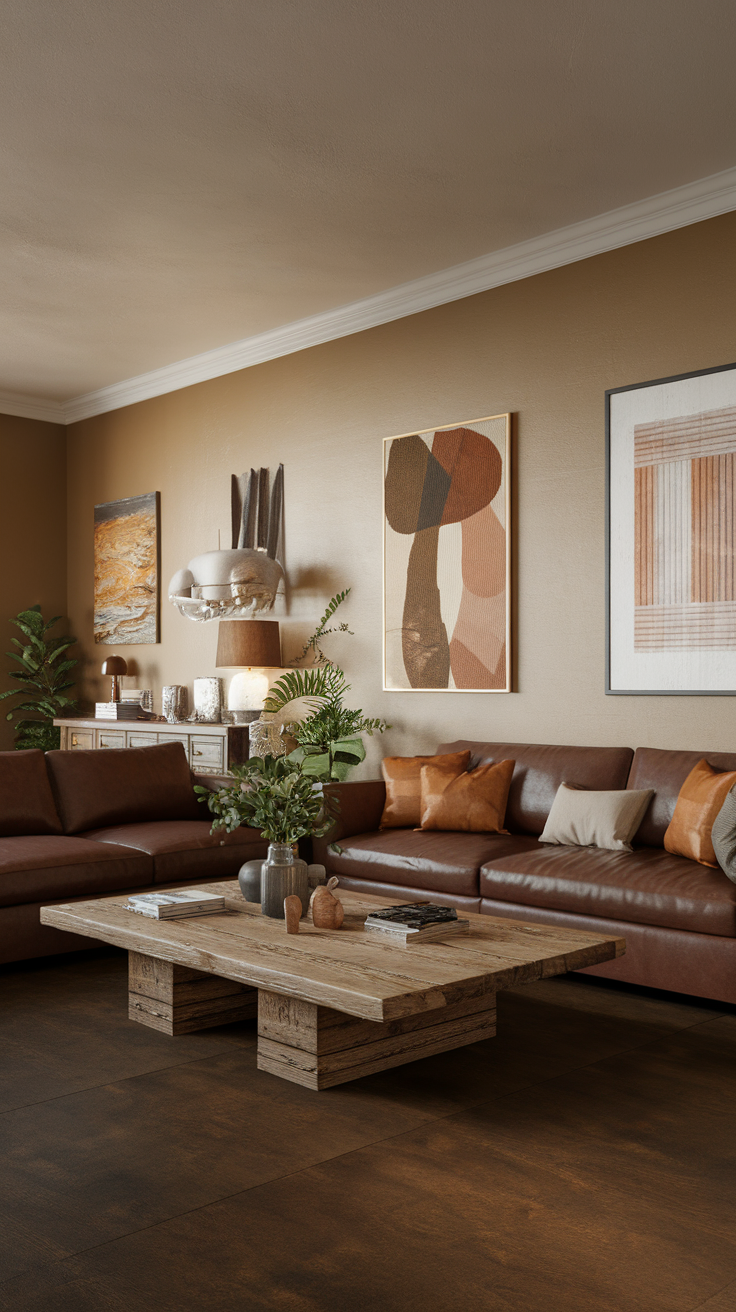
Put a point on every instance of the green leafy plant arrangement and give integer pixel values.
(329, 742)
(42, 675)
(271, 794)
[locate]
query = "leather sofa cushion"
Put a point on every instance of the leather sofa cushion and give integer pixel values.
(406, 893)
(703, 965)
(540, 769)
(185, 849)
(666, 772)
(39, 867)
(26, 800)
(435, 861)
(648, 886)
(124, 786)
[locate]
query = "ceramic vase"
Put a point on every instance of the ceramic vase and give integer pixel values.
(282, 875)
(249, 878)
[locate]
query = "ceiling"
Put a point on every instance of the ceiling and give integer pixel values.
(179, 176)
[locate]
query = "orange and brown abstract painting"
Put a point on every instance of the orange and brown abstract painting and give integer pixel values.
(447, 558)
(126, 605)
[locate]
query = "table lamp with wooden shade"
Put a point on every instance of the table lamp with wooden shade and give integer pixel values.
(115, 666)
(251, 647)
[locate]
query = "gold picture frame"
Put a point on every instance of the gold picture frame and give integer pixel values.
(447, 558)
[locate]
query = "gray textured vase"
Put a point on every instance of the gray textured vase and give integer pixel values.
(283, 875)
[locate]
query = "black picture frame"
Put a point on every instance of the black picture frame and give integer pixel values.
(643, 692)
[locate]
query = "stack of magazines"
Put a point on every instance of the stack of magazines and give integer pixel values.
(416, 922)
(176, 905)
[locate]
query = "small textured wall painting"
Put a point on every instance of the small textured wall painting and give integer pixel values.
(126, 571)
(447, 558)
(672, 535)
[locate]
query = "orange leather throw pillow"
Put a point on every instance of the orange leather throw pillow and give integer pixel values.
(700, 799)
(404, 785)
(474, 802)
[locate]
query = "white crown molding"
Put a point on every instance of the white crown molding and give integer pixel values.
(665, 212)
(32, 407)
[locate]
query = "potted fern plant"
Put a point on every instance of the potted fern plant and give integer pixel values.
(329, 742)
(44, 667)
(310, 701)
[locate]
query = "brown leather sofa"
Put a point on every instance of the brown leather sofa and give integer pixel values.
(82, 824)
(678, 917)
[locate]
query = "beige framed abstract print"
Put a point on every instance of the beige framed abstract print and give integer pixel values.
(671, 536)
(126, 545)
(447, 560)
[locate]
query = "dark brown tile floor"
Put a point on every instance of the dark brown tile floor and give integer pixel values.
(583, 1161)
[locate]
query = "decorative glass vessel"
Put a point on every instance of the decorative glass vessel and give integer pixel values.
(268, 738)
(174, 702)
(282, 875)
(207, 700)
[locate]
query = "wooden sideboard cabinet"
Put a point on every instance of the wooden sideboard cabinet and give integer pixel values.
(210, 748)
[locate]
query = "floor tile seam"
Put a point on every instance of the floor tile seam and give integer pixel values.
(90, 1088)
(215, 1202)
(710, 1297)
(551, 1079)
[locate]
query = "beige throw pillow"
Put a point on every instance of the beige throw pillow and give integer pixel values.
(580, 818)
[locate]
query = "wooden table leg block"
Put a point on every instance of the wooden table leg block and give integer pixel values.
(177, 1000)
(318, 1047)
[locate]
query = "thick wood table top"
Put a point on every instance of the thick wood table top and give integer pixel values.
(347, 969)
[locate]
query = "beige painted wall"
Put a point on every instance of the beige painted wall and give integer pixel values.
(546, 349)
(32, 531)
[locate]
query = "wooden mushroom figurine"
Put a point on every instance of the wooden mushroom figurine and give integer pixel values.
(327, 910)
(292, 913)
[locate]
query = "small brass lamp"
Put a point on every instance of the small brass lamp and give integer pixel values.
(115, 666)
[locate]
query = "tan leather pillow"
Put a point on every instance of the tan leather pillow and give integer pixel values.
(700, 799)
(404, 785)
(474, 802)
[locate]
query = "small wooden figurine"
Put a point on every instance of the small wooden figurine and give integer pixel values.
(292, 913)
(327, 910)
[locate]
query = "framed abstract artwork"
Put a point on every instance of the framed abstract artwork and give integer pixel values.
(126, 596)
(671, 536)
(447, 559)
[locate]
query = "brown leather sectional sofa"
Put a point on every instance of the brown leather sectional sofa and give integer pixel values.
(81, 824)
(678, 917)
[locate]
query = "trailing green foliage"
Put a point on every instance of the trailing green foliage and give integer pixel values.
(42, 676)
(313, 644)
(274, 795)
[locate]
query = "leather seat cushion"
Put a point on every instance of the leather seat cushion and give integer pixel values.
(436, 861)
(40, 867)
(647, 886)
(26, 800)
(97, 788)
(185, 849)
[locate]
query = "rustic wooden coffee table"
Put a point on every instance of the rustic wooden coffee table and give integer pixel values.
(332, 1005)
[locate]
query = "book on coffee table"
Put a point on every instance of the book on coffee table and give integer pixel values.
(416, 922)
(176, 905)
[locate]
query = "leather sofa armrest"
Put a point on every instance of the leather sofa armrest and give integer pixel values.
(361, 808)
